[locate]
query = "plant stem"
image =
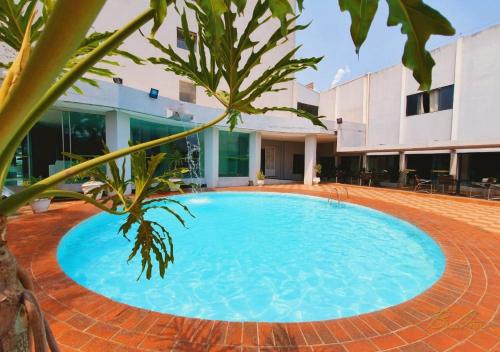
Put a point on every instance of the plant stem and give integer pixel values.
(14, 202)
(63, 84)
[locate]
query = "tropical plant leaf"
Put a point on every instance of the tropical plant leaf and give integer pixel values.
(14, 20)
(160, 7)
(281, 9)
(362, 13)
(19, 63)
(234, 55)
(418, 21)
(148, 236)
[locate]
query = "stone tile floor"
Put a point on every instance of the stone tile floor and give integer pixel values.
(461, 312)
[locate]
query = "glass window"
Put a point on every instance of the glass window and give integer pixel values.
(350, 165)
(181, 39)
(477, 166)
(233, 154)
(86, 133)
(432, 101)
(176, 152)
(385, 166)
(446, 97)
(424, 106)
(41, 153)
(412, 104)
(312, 109)
(187, 92)
(298, 164)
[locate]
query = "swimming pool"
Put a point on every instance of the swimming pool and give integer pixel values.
(262, 257)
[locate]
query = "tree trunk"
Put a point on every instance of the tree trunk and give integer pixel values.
(14, 321)
(21, 318)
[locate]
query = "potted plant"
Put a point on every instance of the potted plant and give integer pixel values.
(38, 205)
(317, 171)
(260, 178)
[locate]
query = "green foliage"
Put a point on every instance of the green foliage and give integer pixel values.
(418, 21)
(14, 19)
(160, 13)
(234, 56)
(150, 238)
(318, 168)
(260, 175)
(362, 13)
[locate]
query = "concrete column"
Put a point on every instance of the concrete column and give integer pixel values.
(402, 167)
(458, 89)
(118, 136)
(254, 155)
(402, 161)
(211, 136)
(309, 159)
(364, 162)
(454, 163)
(402, 107)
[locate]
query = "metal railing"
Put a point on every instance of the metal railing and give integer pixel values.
(331, 199)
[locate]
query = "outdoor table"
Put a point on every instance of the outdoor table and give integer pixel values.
(486, 186)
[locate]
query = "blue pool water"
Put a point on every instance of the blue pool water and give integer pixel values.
(262, 257)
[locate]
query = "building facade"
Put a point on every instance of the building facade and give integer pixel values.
(378, 122)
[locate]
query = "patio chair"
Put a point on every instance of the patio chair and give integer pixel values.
(485, 185)
(423, 185)
(365, 178)
(493, 189)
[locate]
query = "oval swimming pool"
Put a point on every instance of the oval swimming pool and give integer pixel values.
(262, 257)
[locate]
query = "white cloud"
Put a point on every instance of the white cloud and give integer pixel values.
(341, 72)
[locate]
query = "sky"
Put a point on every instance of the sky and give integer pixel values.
(328, 35)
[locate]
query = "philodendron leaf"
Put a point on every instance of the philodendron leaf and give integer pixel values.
(300, 4)
(160, 7)
(214, 9)
(280, 9)
(418, 21)
(362, 13)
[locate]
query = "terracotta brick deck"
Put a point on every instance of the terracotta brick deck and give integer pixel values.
(459, 313)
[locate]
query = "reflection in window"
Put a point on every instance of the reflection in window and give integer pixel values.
(176, 152)
(41, 152)
(181, 39)
(233, 154)
(312, 109)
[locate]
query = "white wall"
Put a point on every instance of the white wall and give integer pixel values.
(443, 73)
(384, 110)
(479, 113)
(349, 101)
(427, 128)
(327, 104)
(306, 95)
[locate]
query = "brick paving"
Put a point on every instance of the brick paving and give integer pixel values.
(460, 312)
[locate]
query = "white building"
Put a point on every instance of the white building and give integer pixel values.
(386, 124)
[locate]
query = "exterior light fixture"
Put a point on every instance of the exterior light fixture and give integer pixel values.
(118, 80)
(153, 93)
